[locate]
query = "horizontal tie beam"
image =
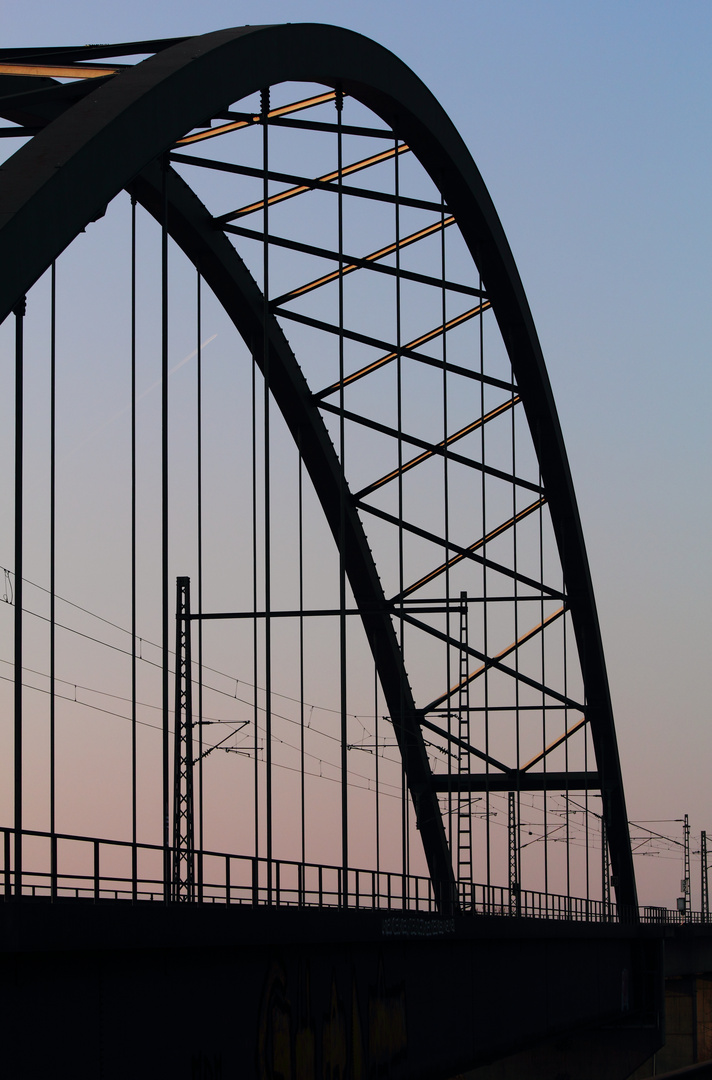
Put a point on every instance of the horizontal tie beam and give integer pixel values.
(518, 781)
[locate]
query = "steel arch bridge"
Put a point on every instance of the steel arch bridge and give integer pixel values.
(389, 393)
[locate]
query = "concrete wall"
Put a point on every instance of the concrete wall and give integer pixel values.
(106, 992)
(688, 1026)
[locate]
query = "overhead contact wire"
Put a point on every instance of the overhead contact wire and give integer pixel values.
(485, 608)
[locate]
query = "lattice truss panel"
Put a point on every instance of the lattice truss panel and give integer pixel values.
(363, 267)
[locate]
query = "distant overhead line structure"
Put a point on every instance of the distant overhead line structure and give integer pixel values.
(415, 391)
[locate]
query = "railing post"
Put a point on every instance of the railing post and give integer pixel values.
(300, 884)
(278, 879)
(255, 881)
(7, 857)
(53, 867)
(134, 872)
(227, 879)
(96, 870)
(321, 888)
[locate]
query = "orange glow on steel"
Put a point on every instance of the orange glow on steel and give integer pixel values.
(411, 345)
(509, 649)
(57, 71)
(222, 130)
(283, 110)
(381, 254)
(553, 745)
(473, 547)
(446, 442)
(348, 170)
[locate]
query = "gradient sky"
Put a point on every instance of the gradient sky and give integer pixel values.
(590, 124)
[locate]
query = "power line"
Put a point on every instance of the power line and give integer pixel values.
(119, 697)
(214, 689)
(144, 723)
(154, 645)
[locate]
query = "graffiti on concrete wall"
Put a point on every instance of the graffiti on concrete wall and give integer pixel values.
(313, 1028)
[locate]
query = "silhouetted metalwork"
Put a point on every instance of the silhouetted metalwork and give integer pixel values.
(183, 878)
(415, 393)
(704, 878)
(686, 877)
(464, 801)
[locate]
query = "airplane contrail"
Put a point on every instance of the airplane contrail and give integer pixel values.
(122, 412)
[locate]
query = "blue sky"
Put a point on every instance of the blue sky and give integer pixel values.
(590, 123)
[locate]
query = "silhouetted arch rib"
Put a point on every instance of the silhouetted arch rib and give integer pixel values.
(111, 138)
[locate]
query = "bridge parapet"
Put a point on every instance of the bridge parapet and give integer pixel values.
(289, 992)
(66, 867)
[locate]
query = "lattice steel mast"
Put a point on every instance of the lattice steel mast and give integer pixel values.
(605, 870)
(685, 883)
(183, 867)
(464, 798)
(704, 880)
(513, 837)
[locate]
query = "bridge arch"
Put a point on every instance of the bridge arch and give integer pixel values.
(124, 131)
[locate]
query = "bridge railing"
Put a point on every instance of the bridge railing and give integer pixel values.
(63, 866)
(67, 866)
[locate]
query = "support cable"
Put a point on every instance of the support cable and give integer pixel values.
(199, 392)
(255, 638)
(566, 751)
(401, 574)
(446, 512)
(378, 799)
(165, 642)
(267, 523)
(485, 610)
(52, 565)
(134, 777)
(19, 460)
(544, 741)
(300, 511)
(515, 563)
(339, 102)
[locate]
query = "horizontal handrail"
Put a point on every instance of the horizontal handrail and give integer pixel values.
(224, 877)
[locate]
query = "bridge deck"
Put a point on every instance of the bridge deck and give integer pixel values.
(63, 866)
(281, 992)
